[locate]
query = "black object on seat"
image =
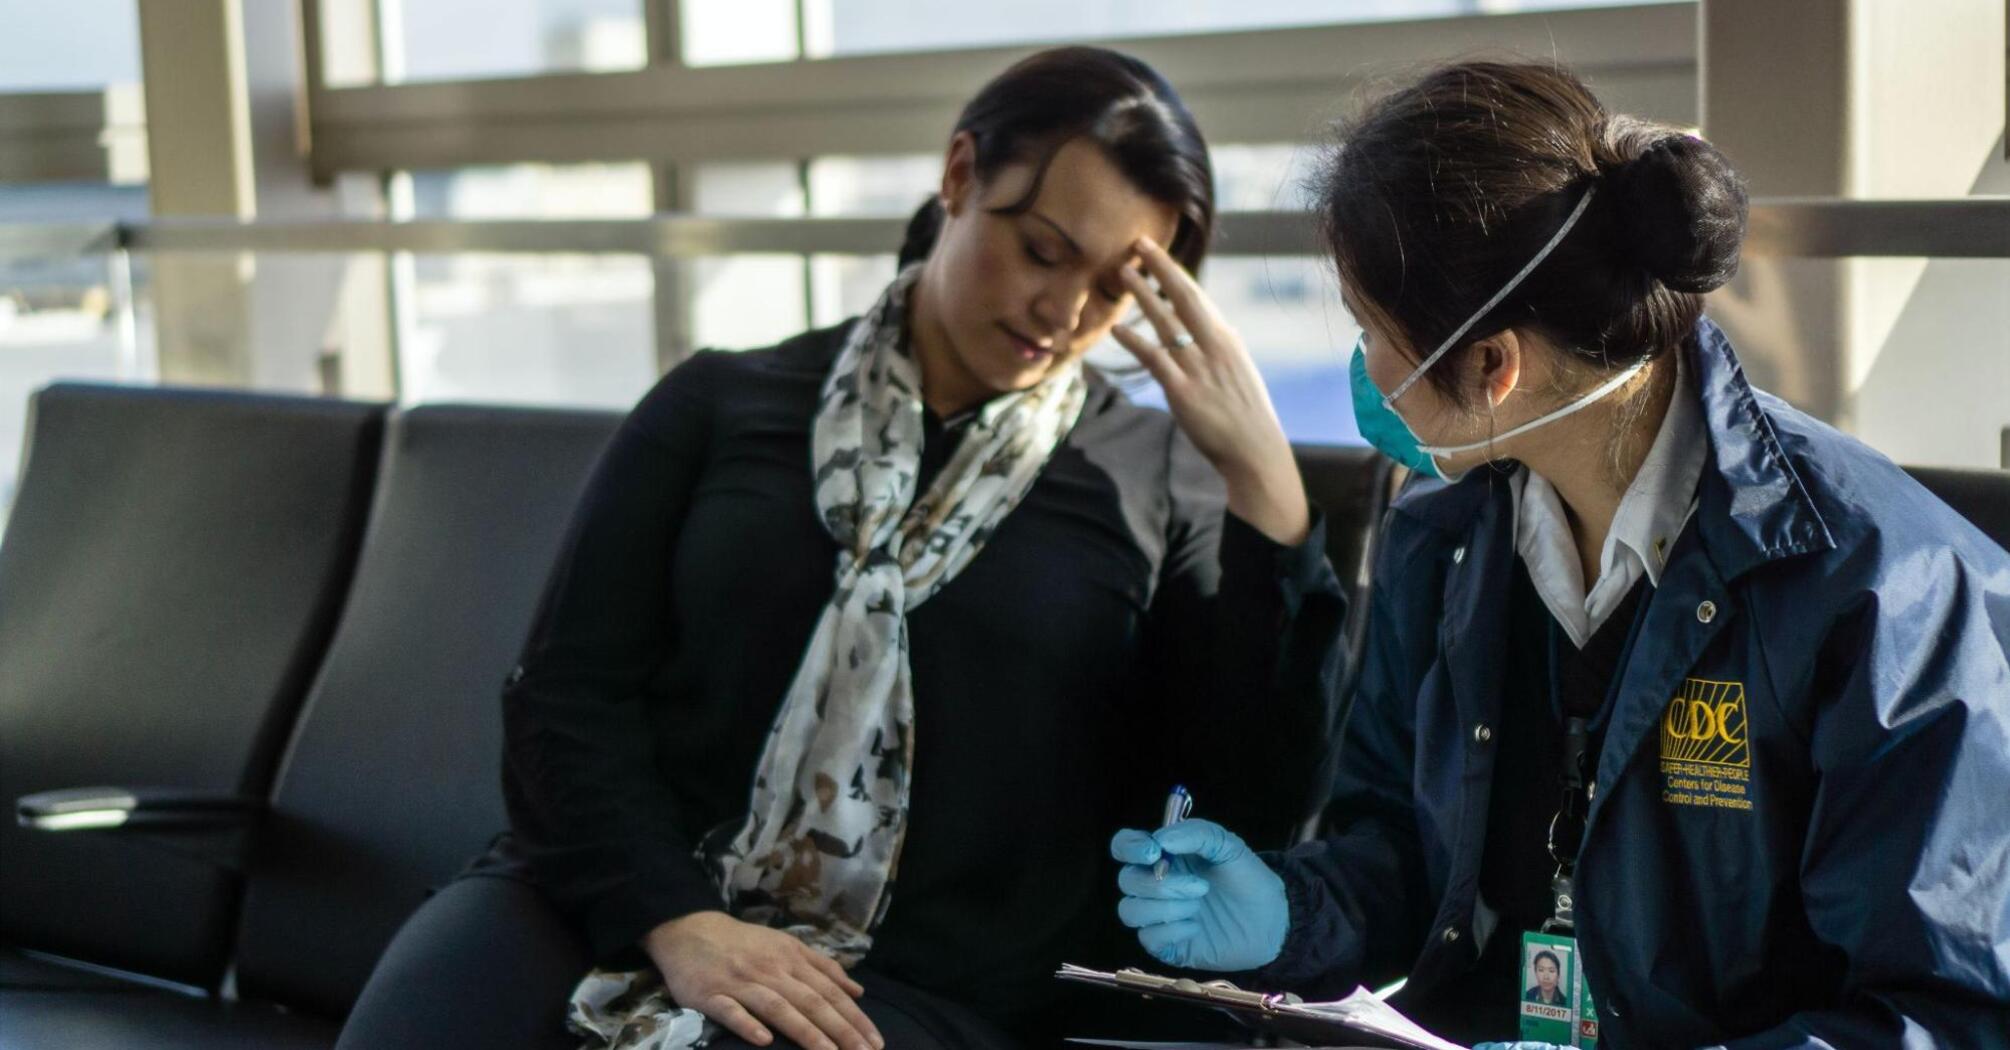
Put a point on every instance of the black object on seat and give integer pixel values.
(393, 779)
(1981, 496)
(174, 566)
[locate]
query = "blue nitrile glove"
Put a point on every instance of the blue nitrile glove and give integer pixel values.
(1218, 908)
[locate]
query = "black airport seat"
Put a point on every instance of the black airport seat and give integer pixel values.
(1352, 485)
(392, 778)
(1980, 495)
(175, 563)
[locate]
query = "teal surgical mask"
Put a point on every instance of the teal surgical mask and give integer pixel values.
(1380, 424)
(1384, 428)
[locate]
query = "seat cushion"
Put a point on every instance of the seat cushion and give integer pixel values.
(154, 1021)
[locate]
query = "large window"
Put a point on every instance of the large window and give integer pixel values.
(462, 39)
(724, 33)
(845, 285)
(69, 315)
(465, 310)
(1286, 307)
(427, 40)
(728, 31)
(67, 318)
(749, 300)
(76, 45)
(555, 329)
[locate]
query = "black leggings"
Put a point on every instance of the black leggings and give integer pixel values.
(488, 962)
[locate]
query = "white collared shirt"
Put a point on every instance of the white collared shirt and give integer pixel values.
(1651, 515)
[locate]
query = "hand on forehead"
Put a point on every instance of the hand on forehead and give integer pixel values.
(1085, 204)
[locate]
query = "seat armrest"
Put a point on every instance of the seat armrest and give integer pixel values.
(148, 809)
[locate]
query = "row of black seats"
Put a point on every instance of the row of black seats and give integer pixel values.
(278, 627)
(266, 636)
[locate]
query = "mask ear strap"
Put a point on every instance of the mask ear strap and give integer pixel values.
(1583, 402)
(1389, 400)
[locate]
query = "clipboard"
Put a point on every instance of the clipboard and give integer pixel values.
(1361, 1019)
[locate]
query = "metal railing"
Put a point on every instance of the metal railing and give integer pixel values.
(1966, 228)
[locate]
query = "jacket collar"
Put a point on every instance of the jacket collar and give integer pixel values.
(1755, 507)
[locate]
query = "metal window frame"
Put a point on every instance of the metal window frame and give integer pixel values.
(1269, 85)
(73, 136)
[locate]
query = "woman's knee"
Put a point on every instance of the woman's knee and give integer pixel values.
(487, 961)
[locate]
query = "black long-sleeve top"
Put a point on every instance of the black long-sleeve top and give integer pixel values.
(1121, 632)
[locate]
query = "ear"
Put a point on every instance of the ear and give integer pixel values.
(1496, 362)
(959, 173)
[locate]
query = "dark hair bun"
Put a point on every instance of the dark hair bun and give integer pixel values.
(922, 230)
(1682, 213)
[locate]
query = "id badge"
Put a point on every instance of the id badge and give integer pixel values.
(1555, 1001)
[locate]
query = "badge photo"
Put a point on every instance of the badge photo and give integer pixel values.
(1549, 980)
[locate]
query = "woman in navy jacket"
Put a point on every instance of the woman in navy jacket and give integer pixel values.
(1667, 665)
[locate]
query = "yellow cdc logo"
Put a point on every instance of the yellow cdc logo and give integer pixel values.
(1706, 722)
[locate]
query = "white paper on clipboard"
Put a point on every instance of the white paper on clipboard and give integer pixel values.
(1364, 1012)
(1361, 1012)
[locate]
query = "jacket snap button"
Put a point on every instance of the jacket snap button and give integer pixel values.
(1451, 934)
(1458, 555)
(1706, 612)
(1482, 733)
(515, 675)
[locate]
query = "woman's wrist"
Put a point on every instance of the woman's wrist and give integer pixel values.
(668, 931)
(1270, 497)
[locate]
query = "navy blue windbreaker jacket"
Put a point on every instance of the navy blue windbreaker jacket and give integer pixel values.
(1799, 833)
